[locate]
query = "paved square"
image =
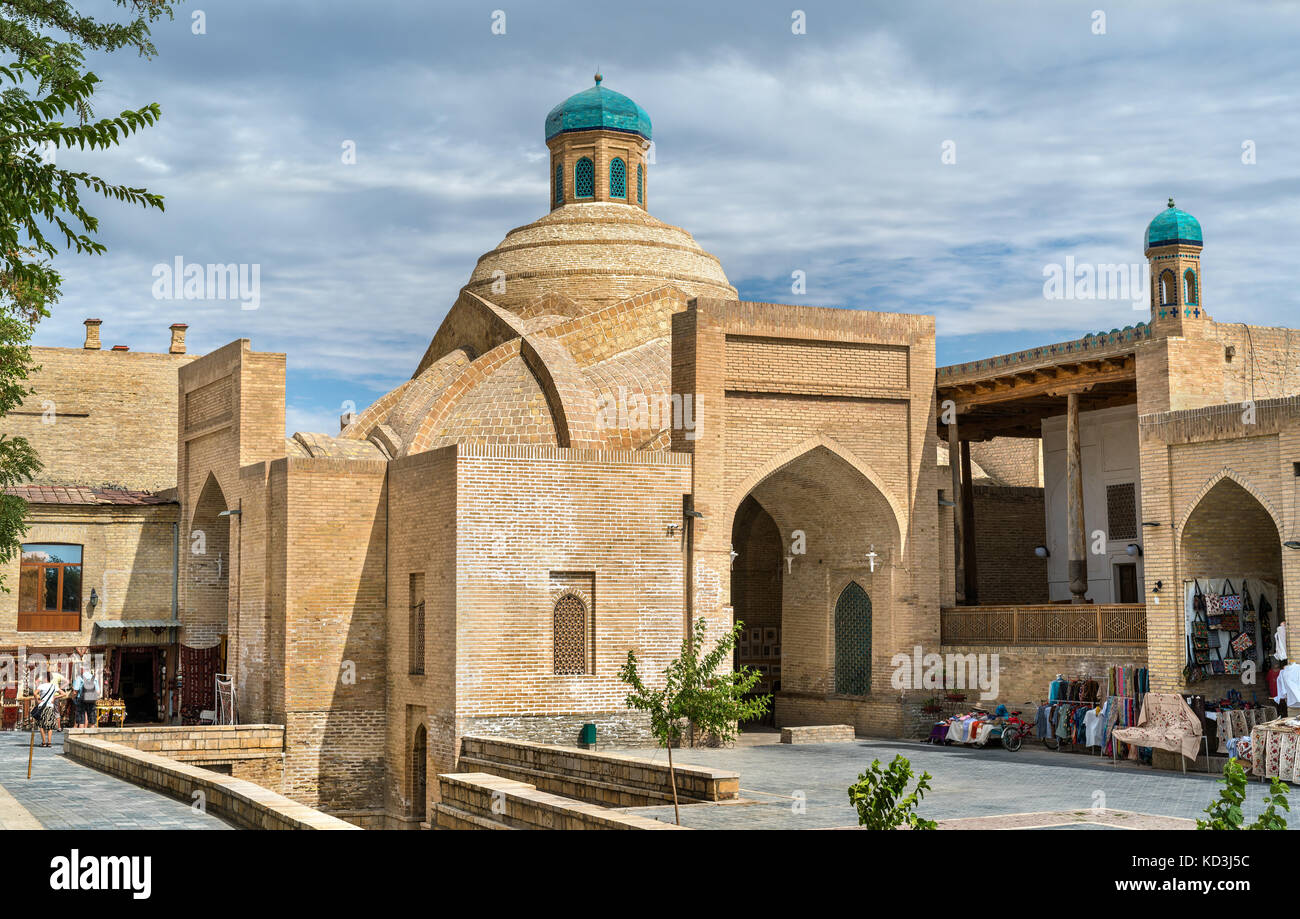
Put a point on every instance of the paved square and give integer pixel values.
(964, 783)
(64, 795)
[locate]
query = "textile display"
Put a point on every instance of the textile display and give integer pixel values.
(1166, 722)
(1273, 749)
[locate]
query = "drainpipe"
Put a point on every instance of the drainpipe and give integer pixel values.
(176, 568)
(175, 651)
(689, 515)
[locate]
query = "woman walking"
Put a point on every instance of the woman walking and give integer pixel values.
(46, 711)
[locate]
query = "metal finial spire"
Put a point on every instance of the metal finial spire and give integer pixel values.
(598, 76)
(1171, 202)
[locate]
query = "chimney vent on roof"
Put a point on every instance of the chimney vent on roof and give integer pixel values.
(92, 334)
(178, 338)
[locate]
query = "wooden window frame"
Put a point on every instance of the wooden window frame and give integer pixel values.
(44, 620)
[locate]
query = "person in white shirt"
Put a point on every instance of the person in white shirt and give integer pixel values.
(46, 707)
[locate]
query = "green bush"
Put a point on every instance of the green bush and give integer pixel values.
(878, 796)
(1225, 813)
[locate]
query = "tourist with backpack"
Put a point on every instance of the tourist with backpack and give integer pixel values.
(85, 690)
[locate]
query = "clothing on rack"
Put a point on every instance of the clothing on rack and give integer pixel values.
(1288, 685)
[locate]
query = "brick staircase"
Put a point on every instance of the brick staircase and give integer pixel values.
(608, 779)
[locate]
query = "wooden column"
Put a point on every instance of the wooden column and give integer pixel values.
(968, 554)
(959, 543)
(1076, 532)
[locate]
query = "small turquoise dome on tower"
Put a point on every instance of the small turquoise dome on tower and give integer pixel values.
(1172, 226)
(598, 108)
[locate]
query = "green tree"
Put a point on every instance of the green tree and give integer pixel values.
(41, 206)
(698, 690)
(33, 29)
(1225, 812)
(878, 796)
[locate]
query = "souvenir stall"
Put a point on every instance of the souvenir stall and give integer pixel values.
(1233, 625)
(1230, 621)
(1081, 713)
(980, 727)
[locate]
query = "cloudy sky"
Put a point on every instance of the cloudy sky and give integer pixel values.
(1066, 126)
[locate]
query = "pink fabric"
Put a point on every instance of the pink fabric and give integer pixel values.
(1165, 723)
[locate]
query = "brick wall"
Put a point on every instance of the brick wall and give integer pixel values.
(102, 417)
(127, 555)
(334, 665)
(1009, 523)
(1016, 461)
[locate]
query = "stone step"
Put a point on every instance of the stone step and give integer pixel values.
(819, 733)
(521, 805)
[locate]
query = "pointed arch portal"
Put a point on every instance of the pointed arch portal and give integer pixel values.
(812, 542)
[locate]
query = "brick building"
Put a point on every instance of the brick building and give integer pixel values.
(596, 429)
(1170, 456)
(97, 575)
(602, 444)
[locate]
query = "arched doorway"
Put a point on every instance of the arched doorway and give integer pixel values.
(815, 546)
(853, 641)
(756, 593)
(419, 772)
(1231, 535)
(209, 568)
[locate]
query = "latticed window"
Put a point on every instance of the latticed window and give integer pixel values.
(1121, 510)
(559, 182)
(584, 178)
(570, 635)
(416, 625)
(640, 184)
(853, 642)
(1189, 287)
(617, 178)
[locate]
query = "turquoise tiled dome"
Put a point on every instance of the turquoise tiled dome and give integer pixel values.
(1173, 226)
(598, 108)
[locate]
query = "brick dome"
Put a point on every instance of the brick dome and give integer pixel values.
(596, 254)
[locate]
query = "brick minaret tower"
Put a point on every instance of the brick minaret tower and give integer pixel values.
(1173, 249)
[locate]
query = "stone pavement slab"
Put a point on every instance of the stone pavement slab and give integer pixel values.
(63, 795)
(806, 787)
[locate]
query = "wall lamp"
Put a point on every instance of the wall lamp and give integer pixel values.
(1292, 544)
(1133, 549)
(94, 600)
(1042, 551)
(944, 502)
(1156, 589)
(230, 513)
